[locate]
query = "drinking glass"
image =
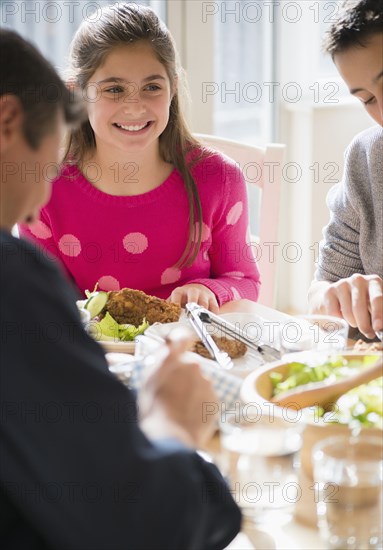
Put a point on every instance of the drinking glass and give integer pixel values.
(260, 459)
(348, 485)
(319, 333)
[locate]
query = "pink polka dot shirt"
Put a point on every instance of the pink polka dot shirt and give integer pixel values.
(136, 241)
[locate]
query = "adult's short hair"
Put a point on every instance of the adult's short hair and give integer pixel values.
(356, 22)
(26, 74)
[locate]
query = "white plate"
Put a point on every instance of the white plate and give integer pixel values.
(254, 326)
(117, 347)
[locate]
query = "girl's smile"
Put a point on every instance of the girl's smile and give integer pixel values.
(133, 129)
(130, 128)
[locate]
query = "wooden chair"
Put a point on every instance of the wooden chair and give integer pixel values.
(261, 166)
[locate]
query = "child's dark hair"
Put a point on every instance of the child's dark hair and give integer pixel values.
(125, 24)
(357, 21)
(26, 74)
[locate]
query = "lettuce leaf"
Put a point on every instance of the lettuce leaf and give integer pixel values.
(108, 329)
(129, 332)
(363, 404)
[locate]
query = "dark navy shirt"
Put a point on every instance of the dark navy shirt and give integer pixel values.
(76, 471)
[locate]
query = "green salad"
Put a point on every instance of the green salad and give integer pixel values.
(363, 404)
(103, 326)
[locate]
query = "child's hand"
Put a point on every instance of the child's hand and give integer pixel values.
(199, 294)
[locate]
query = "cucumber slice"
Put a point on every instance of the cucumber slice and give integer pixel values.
(96, 303)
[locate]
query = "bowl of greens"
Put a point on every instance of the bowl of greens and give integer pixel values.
(359, 409)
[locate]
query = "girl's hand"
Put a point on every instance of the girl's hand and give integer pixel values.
(199, 294)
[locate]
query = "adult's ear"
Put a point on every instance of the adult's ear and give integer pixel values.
(11, 120)
(71, 84)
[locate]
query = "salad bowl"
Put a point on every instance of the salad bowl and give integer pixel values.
(359, 409)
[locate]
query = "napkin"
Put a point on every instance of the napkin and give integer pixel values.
(131, 371)
(226, 385)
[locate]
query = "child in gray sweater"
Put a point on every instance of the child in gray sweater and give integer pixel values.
(348, 280)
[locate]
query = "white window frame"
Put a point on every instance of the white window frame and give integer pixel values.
(192, 26)
(182, 16)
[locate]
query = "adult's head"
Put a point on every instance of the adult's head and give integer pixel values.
(355, 42)
(26, 75)
(35, 107)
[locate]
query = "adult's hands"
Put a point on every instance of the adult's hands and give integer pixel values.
(358, 299)
(175, 397)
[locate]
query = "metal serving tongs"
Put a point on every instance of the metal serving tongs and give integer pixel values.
(194, 312)
(198, 315)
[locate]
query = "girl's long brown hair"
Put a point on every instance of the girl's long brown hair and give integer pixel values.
(126, 24)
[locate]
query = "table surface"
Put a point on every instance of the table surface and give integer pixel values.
(300, 531)
(243, 306)
(293, 535)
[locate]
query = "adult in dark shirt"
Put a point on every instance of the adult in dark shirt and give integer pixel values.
(81, 466)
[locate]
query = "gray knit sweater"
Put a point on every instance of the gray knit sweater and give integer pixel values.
(353, 239)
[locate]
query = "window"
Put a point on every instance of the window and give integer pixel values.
(243, 62)
(227, 49)
(51, 24)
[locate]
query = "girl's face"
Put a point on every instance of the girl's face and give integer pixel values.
(362, 70)
(129, 98)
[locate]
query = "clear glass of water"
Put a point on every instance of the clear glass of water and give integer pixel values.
(349, 493)
(319, 333)
(260, 459)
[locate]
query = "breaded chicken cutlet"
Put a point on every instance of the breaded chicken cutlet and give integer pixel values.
(133, 306)
(233, 348)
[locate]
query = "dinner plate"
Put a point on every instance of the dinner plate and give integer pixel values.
(117, 347)
(254, 326)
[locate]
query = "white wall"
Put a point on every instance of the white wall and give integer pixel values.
(316, 129)
(316, 137)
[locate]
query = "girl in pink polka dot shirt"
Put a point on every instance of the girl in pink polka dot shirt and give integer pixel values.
(139, 203)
